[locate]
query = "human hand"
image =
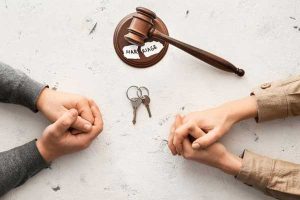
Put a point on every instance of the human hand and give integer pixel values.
(54, 104)
(215, 122)
(215, 155)
(57, 139)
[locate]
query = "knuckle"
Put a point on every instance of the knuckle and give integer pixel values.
(180, 138)
(91, 101)
(82, 98)
(65, 123)
(192, 123)
(175, 142)
(205, 143)
(50, 129)
(86, 100)
(177, 133)
(187, 155)
(191, 128)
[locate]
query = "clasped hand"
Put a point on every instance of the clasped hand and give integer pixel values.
(207, 127)
(77, 122)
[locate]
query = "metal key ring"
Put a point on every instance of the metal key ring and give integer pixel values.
(127, 92)
(139, 92)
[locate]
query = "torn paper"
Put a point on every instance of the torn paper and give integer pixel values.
(131, 52)
(151, 48)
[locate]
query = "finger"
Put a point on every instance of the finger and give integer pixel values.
(84, 110)
(98, 123)
(206, 140)
(178, 120)
(180, 134)
(196, 132)
(170, 141)
(81, 126)
(84, 140)
(93, 103)
(192, 154)
(187, 149)
(171, 136)
(65, 121)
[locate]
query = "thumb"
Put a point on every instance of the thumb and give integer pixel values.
(206, 140)
(65, 121)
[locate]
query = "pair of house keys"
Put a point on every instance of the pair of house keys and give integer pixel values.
(141, 96)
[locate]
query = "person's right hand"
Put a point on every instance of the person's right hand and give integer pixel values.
(53, 104)
(57, 139)
(215, 122)
(216, 155)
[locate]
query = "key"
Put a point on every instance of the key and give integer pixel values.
(135, 102)
(146, 101)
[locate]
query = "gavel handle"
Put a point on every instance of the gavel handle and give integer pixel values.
(205, 56)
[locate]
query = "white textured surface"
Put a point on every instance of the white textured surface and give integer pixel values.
(50, 41)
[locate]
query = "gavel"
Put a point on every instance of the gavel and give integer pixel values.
(142, 28)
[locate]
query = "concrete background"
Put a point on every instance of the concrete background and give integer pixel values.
(50, 41)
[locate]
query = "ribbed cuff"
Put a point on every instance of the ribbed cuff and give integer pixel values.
(271, 105)
(28, 92)
(256, 170)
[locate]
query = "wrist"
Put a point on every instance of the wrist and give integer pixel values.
(41, 99)
(47, 154)
(230, 164)
(241, 109)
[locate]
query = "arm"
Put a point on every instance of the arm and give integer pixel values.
(270, 101)
(277, 178)
(20, 163)
(278, 99)
(16, 87)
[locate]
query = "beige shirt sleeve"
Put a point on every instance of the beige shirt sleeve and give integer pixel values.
(276, 178)
(280, 179)
(278, 99)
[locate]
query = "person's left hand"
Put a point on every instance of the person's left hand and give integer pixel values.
(215, 155)
(57, 139)
(215, 122)
(54, 104)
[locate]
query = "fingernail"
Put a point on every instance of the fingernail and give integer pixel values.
(196, 145)
(87, 127)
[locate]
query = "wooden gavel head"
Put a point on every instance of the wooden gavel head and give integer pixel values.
(141, 25)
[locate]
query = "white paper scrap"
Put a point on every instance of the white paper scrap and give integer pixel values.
(131, 52)
(151, 48)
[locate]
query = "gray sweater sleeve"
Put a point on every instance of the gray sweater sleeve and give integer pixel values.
(16, 87)
(20, 163)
